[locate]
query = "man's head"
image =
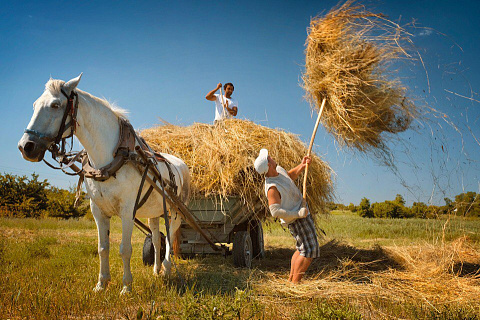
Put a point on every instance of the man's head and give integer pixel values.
(264, 164)
(228, 87)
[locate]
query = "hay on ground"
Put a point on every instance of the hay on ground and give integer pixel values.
(221, 158)
(435, 275)
(348, 55)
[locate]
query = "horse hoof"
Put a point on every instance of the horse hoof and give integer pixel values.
(99, 287)
(166, 269)
(126, 290)
(156, 270)
(165, 273)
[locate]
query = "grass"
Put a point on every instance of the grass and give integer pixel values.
(369, 269)
(344, 225)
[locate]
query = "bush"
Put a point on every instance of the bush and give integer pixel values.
(23, 197)
(390, 209)
(61, 204)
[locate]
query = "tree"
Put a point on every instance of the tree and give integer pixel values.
(468, 204)
(400, 200)
(390, 209)
(352, 207)
(448, 202)
(364, 209)
(419, 210)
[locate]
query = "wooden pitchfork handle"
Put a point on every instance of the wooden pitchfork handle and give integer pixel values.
(221, 97)
(310, 149)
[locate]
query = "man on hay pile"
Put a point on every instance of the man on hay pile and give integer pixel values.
(286, 202)
(225, 106)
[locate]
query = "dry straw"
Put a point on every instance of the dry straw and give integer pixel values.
(221, 157)
(348, 54)
(429, 275)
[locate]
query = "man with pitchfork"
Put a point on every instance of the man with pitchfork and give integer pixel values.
(225, 106)
(286, 202)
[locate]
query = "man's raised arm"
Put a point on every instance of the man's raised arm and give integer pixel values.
(295, 172)
(211, 95)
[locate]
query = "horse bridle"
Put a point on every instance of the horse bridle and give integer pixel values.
(71, 110)
(57, 148)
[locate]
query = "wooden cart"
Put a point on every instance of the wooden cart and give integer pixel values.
(209, 225)
(231, 226)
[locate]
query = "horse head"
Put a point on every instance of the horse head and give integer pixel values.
(50, 117)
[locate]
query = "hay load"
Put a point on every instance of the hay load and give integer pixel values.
(348, 54)
(221, 158)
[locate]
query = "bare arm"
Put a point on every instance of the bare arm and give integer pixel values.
(210, 96)
(274, 202)
(273, 196)
(233, 110)
(295, 172)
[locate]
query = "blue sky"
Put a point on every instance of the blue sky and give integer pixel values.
(158, 59)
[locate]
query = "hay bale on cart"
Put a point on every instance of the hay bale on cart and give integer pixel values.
(228, 194)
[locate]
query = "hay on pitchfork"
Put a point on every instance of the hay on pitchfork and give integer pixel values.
(348, 55)
(221, 158)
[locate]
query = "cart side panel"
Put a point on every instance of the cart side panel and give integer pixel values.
(218, 218)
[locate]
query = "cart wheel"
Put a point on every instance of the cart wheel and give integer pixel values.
(256, 233)
(149, 250)
(242, 249)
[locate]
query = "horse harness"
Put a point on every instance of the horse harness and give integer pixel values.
(124, 152)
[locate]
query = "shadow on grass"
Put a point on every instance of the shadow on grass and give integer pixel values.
(333, 253)
(345, 261)
(210, 274)
(215, 274)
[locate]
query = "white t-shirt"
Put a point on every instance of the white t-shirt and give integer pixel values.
(220, 112)
(291, 197)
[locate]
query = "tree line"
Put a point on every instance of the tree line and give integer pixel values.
(465, 204)
(22, 197)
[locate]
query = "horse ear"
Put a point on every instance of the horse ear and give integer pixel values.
(72, 84)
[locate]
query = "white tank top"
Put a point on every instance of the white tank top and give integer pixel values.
(289, 192)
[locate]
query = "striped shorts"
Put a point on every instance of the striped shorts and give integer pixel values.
(303, 230)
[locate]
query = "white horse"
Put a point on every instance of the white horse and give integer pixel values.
(98, 131)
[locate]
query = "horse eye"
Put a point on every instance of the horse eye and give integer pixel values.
(55, 105)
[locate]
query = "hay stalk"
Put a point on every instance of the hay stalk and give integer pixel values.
(348, 58)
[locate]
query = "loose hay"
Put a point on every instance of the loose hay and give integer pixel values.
(221, 158)
(422, 274)
(348, 52)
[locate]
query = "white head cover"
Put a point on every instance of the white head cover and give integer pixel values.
(261, 163)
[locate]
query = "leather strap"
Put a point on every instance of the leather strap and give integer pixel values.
(125, 145)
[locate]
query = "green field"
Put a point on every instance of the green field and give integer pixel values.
(369, 269)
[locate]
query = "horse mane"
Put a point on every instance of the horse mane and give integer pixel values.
(55, 86)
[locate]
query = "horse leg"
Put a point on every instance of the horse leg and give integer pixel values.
(126, 252)
(103, 227)
(175, 222)
(154, 223)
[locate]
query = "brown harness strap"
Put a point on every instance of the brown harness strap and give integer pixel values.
(126, 144)
(171, 182)
(122, 154)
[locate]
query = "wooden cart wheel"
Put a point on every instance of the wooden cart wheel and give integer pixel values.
(242, 249)
(148, 254)
(256, 233)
